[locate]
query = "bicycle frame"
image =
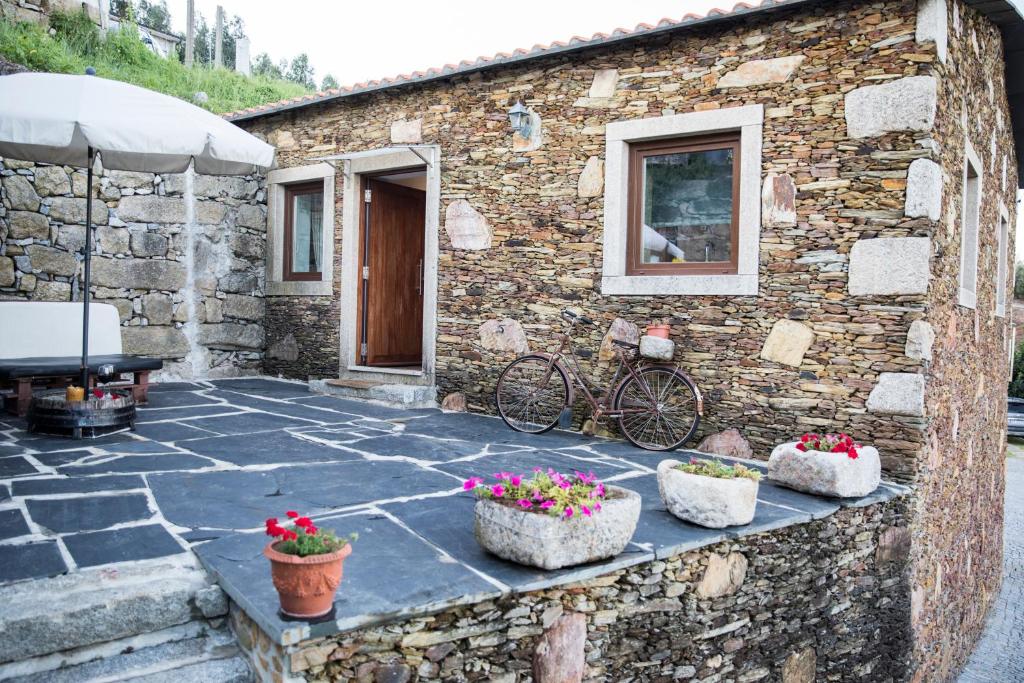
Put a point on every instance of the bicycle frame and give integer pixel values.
(600, 405)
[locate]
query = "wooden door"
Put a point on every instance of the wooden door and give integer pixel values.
(393, 277)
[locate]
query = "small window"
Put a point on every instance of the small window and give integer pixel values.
(1001, 269)
(303, 231)
(969, 217)
(684, 206)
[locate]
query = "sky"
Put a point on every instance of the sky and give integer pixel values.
(358, 41)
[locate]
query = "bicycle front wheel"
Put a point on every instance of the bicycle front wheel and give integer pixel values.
(531, 393)
(659, 409)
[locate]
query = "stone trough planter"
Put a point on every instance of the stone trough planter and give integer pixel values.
(826, 474)
(548, 542)
(710, 502)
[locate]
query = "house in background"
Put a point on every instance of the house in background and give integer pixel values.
(816, 195)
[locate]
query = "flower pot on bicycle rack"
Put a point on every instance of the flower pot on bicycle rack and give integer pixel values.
(541, 540)
(661, 331)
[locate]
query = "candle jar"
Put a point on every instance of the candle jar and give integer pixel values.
(73, 393)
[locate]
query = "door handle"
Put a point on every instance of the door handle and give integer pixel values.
(419, 277)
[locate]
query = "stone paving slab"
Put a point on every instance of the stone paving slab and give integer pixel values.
(211, 460)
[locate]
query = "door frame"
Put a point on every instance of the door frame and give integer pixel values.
(369, 164)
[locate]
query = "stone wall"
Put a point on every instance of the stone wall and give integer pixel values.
(855, 326)
(544, 214)
(184, 269)
(826, 600)
(958, 536)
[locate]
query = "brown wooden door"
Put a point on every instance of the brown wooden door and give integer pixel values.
(393, 284)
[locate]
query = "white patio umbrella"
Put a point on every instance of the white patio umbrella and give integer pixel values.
(63, 119)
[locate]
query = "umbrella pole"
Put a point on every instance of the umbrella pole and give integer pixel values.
(88, 256)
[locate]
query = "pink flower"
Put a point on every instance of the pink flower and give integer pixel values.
(585, 510)
(502, 475)
(568, 511)
(472, 483)
(525, 504)
(515, 480)
(599, 489)
(597, 506)
(536, 495)
(498, 490)
(547, 504)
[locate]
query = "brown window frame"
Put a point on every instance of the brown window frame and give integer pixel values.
(637, 153)
(290, 193)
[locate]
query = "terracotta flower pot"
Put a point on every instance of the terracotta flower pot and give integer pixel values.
(658, 331)
(306, 585)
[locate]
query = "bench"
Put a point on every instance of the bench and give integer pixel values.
(42, 342)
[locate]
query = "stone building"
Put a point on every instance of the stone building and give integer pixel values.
(856, 278)
(863, 286)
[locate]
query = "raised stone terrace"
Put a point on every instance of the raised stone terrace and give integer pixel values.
(211, 460)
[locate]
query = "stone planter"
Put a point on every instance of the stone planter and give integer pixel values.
(306, 585)
(548, 542)
(711, 502)
(826, 474)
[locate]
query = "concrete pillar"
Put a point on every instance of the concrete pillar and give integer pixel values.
(218, 51)
(190, 32)
(242, 56)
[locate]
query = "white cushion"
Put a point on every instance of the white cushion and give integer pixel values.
(31, 329)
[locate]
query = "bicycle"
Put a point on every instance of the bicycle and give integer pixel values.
(657, 405)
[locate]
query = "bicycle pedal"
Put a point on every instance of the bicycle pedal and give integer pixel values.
(565, 418)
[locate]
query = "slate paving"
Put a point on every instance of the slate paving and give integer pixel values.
(210, 461)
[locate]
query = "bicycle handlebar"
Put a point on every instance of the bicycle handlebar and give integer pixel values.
(573, 318)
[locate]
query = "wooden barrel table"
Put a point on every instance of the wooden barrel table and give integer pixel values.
(51, 413)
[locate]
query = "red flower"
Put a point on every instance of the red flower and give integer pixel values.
(290, 535)
(271, 521)
(801, 447)
(98, 393)
(310, 530)
(805, 438)
(292, 513)
(276, 530)
(303, 522)
(852, 453)
(839, 448)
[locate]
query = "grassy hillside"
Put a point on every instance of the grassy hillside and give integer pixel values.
(77, 43)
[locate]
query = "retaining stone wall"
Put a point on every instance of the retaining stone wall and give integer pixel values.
(198, 306)
(826, 600)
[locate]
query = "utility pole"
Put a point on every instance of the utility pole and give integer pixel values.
(218, 52)
(190, 33)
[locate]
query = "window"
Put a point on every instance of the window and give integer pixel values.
(682, 205)
(1003, 261)
(970, 212)
(303, 231)
(300, 231)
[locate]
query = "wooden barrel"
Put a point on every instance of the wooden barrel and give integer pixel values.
(52, 413)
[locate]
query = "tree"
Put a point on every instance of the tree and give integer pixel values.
(123, 9)
(234, 28)
(1018, 281)
(329, 82)
(301, 72)
(154, 15)
(264, 66)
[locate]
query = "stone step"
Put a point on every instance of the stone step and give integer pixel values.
(396, 395)
(209, 655)
(97, 606)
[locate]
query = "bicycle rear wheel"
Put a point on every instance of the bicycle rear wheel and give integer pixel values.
(659, 409)
(531, 394)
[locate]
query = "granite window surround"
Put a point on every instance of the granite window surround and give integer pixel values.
(1002, 260)
(277, 181)
(970, 217)
(748, 120)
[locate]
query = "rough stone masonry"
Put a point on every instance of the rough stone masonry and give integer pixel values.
(184, 269)
(855, 326)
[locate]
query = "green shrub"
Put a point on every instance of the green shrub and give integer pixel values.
(1017, 379)
(1018, 281)
(718, 469)
(120, 55)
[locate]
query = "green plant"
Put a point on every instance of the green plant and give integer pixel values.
(1018, 281)
(718, 469)
(76, 44)
(303, 538)
(1016, 389)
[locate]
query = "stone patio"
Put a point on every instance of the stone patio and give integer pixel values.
(211, 460)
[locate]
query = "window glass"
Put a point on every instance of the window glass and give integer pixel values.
(306, 233)
(688, 207)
